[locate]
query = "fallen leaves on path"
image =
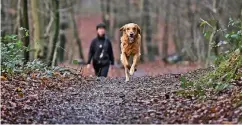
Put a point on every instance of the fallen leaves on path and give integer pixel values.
(74, 98)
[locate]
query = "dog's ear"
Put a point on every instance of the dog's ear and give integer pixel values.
(122, 28)
(138, 29)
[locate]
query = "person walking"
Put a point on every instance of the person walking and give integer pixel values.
(101, 52)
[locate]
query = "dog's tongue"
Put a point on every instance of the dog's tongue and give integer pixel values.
(131, 38)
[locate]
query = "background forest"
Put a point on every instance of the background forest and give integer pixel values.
(168, 26)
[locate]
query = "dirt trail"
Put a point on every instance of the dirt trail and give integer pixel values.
(77, 99)
(95, 100)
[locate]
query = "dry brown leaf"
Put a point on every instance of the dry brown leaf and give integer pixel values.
(213, 109)
(44, 80)
(3, 78)
(21, 94)
(56, 74)
(227, 122)
(18, 89)
(33, 75)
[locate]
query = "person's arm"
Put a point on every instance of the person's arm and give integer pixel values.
(110, 52)
(91, 52)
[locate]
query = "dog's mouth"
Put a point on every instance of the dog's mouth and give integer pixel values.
(131, 37)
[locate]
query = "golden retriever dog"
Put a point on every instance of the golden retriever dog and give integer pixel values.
(130, 47)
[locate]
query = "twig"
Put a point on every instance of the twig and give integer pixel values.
(47, 31)
(207, 23)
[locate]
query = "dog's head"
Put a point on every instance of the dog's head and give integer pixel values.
(131, 30)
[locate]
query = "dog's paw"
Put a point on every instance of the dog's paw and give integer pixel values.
(127, 79)
(131, 72)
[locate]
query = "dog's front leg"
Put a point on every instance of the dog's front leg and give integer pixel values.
(126, 74)
(125, 62)
(135, 61)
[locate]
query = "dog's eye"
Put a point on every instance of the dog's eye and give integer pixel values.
(127, 28)
(133, 28)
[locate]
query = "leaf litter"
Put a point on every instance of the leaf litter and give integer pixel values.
(73, 98)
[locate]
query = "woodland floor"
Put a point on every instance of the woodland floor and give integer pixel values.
(79, 99)
(148, 98)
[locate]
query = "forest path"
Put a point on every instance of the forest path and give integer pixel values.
(96, 100)
(78, 99)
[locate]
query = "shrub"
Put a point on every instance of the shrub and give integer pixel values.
(226, 66)
(11, 54)
(12, 59)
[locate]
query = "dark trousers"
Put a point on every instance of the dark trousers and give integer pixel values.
(101, 70)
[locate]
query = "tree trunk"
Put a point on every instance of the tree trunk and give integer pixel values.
(63, 26)
(176, 29)
(107, 17)
(25, 24)
(198, 36)
(147, 29)
(61, 48)
(48, 34)
(105, 8)
(191, 18)
(127, 11)
(156, 26)
(216, 49)
(52, 61)
(102, 2)
(3, 18)
(36, 26)
(112, 27)
(215, 8)
(116, 37)
(75, 32)
(240, 12)
(166, 31)
(189, 36)
(71, 55)
(43, 54)
(143, 42)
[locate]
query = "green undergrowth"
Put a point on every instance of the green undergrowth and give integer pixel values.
(13, 61)
(227, 69)
(214, 81)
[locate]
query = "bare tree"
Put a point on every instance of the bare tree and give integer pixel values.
(146, 28)
(176, 26)
(63, 26)
(105, 8)
(164, 51)
(36, 26)
(52, 59)
(181, 19)
(24, 23)
(75, 31)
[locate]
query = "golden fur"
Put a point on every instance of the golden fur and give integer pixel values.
(130, 47)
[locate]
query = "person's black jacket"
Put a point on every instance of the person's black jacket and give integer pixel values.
(96, 50)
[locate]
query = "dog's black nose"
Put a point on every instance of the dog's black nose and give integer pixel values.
(131, 34)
